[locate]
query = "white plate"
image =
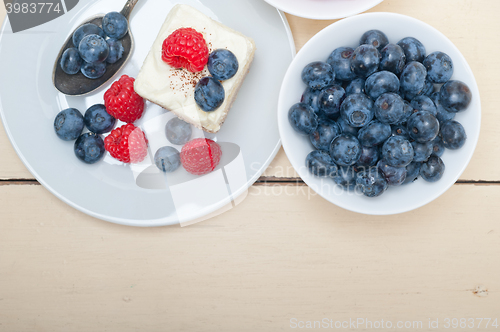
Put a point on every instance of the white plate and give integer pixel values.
(347, 33)
(324, 9)
(110, 190)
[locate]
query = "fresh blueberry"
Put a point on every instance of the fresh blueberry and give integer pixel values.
(345, 150)
(324, 134)
(413, 48)
(442, 114)
(302, 118)
(453, 135)
(374, 133)
(89, 148)
(381, 82)
(115, 25)
(412, 80)
(397, 151)
(345, 178)
(369, 156)
(357, 85)
(71, 61)
(424, 103)
(408, 110)
(310, 97)
(423, 126)
(177, 131)
(345, 128)
(98, 120)
(167, 159)
(318, 75)
(330, 99)
(433, 169)
(209, 94)
(422, 151)
(439, 67)
(365, 60)
(375, 38)
(69, 124)
(340, 60)
(428, 88)
(412, 172)
(395, 176)
(438, 146)
(320, 163)
(400, 130)
(93, 48)
(357, 110)
(115, 50)
(93, 70)
(85, 30)
(222, 64)
(389, 108)
(371, 182)
(455, 96)
(392, 59)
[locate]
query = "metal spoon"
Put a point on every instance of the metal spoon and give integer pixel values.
(78, 84)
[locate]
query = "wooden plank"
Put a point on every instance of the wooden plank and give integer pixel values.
(281, 254)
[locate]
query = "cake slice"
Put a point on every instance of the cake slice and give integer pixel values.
(173, 88)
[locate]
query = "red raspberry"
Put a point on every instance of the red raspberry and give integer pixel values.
(200, 156)
(127, 143)
(185, 48)
(122, 102)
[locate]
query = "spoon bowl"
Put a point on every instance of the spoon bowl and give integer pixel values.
(78, 84)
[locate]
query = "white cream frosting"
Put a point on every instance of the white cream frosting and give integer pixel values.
(173, 89)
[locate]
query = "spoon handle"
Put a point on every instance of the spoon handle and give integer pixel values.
(127, 9)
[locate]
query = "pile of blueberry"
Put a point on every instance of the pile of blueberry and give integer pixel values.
(89, 147)
(209, 93)
(94, 47)
(380, 115)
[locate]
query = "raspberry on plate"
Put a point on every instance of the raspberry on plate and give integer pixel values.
(127, 143)
(200, 156)
(185, 48)
(122, 102)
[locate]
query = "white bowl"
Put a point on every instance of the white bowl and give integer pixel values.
(347, 33)
(324, 9)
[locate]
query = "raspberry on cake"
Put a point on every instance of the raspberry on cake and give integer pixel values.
(173, 88)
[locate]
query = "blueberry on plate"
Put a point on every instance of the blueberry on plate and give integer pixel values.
(310, 97)
(115, 25)
(442, 115)
(98, 120)
(374, 133)
(324, 134)
(85, 30)
(89, 148)
(438, 146)
(439, 67)
(93, 48)
(93, 70)
(428, 88)
(369, 156)
(71, 61)
(412, 172)
(422, 151)
(381, 82)
(375, 38)
(302, 118)
(455, 96)
(390, 108)
(395, 176)
(340, 60)
(222, 64)
(365, 60)
(345, 178)
(346, 128)
(413, 48)
(318, 75)
(345, 150)
(69, 124)
(115, 50)
(453, 135)
(357, 110)
(423, 126)
(167, 159)
(424, 103)
(400, 130)
(320, 163)
(357, 85)
(397, 151)
(433, 169)
(371, 182)
(209, 94)
(392, 58)
(412, 80)
(330, 99)
(177, 131)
